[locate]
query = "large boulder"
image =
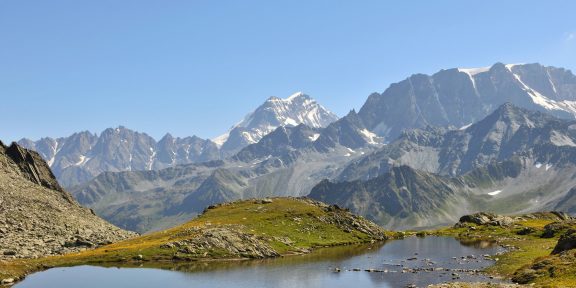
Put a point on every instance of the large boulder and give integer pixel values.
(483, 218)
(566, 242)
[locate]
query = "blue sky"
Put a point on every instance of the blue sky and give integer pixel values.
(197, 67)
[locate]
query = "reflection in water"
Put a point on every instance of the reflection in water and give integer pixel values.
(419, 261)
(334, 255)
(481, 244)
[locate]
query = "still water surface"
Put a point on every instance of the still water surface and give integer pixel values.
(314, 270)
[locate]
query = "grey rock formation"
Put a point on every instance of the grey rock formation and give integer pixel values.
(401, 198)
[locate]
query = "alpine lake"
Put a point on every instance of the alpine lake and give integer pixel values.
(410, 262)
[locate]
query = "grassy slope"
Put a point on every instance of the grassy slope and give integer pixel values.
(526, 251)
(284, 217)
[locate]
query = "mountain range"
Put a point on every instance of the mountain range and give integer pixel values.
(513, 161)
(423, 152)
(82, 156)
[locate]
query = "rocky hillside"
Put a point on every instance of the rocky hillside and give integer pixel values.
(37, 217)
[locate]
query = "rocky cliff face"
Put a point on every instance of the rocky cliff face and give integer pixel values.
(37, 217)
(458, 97)
(29, 165)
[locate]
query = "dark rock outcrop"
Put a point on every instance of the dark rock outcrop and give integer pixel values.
(31, 165)
(566, 242)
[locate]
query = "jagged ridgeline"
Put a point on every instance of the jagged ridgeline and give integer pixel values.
(37, 217)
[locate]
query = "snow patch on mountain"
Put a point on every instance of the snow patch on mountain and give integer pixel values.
(82, 161)
(538, 165)
(474, 71)
(54, 152)
(539, 99)
(371, 138)
(314, 137)
(465, 126)
(471, 72)
(494, 193)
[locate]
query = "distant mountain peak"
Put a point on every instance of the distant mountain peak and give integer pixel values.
(167, 136)
(298, 108)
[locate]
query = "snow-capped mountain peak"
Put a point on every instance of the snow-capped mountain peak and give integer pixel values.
(275, 112)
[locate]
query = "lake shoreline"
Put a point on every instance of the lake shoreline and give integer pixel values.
(398, 266)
